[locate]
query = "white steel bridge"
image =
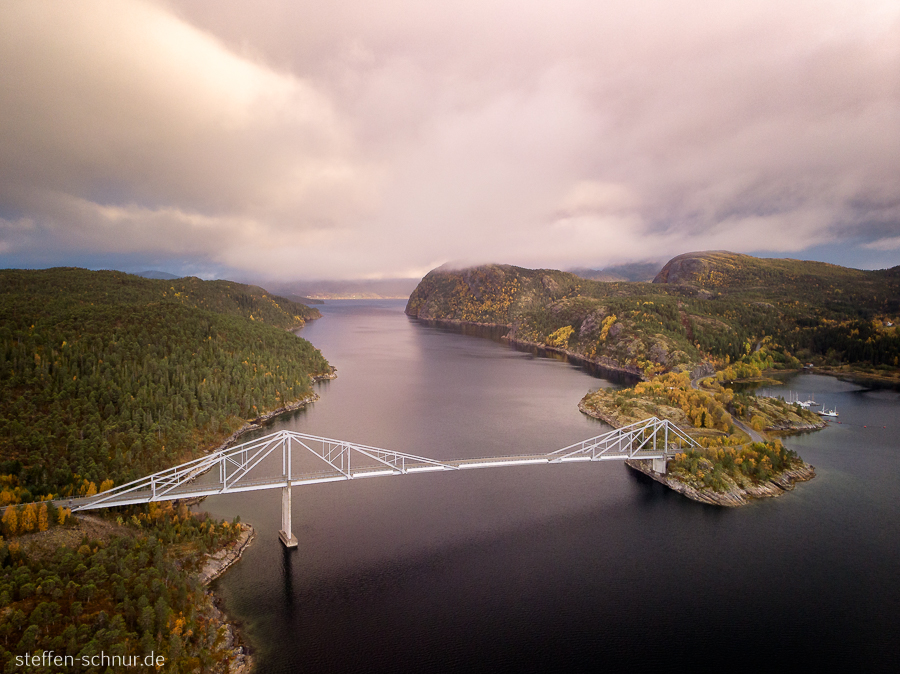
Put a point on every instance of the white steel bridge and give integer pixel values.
(308, 459)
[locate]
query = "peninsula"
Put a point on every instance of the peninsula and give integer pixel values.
(714, 317)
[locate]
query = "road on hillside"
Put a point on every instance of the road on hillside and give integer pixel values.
(754, 435)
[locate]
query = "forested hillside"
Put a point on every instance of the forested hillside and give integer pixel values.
(108, 376)
(822, 311)
(125, 591)
(716, 307)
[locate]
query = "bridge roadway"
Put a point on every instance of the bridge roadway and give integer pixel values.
(193, 490)
(252, 466)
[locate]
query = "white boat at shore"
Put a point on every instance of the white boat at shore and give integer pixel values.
(794, 399)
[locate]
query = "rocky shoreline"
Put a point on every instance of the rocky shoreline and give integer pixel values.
(241, 661)
(604, 362)
(734, 497)
(217, 562)
(597, 414)
(796, 428)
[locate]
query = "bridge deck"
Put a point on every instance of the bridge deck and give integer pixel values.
(281, 459)
(197, 490)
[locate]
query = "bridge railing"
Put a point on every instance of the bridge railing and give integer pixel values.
(630, 441)
(234, 467)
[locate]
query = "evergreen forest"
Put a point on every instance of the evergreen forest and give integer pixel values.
(105, 376)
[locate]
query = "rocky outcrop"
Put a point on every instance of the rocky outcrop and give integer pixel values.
(684, 268)
(790, 427)
(704, 369)
(735, 496)
(240, 660)
(598, 413)
(216, 563)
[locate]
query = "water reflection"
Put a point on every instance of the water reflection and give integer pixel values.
(287, 555)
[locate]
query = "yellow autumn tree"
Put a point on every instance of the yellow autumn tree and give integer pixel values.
(43, 523)
(606, 325)
(29, 519)
(106, 485)
(560, 338)
(11, 521)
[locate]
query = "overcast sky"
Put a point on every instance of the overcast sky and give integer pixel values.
(290, 139)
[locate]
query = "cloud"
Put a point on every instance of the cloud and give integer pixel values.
(350, 138)
(889, 243)
(124, 129)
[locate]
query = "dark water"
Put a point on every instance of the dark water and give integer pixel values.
(564, 568)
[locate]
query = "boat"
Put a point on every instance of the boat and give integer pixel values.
(827, 413)
(794, 399)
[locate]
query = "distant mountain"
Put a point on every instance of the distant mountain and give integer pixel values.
(302, 300)
(636, 271)
(596, 274)
(719, 269)
(378, 289)
(158, 275)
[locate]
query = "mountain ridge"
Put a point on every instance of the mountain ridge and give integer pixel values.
(710, 306)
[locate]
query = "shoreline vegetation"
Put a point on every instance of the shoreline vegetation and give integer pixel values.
(735, 495)
(129, 586)
(105, 377)
(600, 363)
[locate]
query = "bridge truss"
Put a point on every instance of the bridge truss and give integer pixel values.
(286, 459)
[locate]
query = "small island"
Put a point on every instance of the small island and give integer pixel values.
(735, 462)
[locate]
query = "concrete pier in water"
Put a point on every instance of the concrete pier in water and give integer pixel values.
(286, 535)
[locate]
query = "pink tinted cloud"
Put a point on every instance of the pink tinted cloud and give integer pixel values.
(358, 138)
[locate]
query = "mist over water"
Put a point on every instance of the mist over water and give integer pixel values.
(553, 568)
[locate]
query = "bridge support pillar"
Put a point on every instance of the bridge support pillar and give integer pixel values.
(286, 535)
(659, 466)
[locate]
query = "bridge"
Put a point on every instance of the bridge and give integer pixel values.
(286, 459)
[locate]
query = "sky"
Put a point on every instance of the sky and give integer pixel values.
(290, 139)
